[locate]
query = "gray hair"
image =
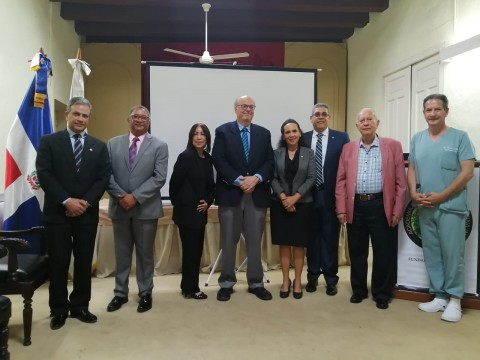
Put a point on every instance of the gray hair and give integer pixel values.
(374, 114)
(78, 101)
(319, 105)
(235, 103)
(138, 107)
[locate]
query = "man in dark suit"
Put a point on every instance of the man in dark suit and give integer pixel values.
(322, 249)
(139, 170)
(243, 157)
(73, 170)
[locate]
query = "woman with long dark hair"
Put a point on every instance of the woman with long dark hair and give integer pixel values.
(192, 190)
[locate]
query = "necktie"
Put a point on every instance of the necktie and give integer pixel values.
(245, 142)
(77, 151)
(132, 152)
(319, 161)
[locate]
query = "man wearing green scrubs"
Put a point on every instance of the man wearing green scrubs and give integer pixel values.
(441, 163)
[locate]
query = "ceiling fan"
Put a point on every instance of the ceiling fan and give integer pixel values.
(206, 58)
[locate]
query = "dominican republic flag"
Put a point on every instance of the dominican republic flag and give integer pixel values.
(23, 195)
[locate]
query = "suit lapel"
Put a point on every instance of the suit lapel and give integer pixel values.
(281, 161)
(68, 150)
(237, 141)
(147, 140)
(385, 154)
(332, 143)
(302, 164)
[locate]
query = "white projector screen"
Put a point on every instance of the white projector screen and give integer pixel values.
(180, 95)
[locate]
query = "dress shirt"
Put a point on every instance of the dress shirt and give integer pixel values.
(369, 168)
(240, 128)
(139, 142)
(324, 144)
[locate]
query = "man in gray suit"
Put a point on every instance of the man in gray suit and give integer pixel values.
(139, 170)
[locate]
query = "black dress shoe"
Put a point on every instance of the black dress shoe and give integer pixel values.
(297, 295)
(382, 304)
(357, 299)
(332, 290)
(311, 286)
(116, 303)
(145, 303)
(84, 316)
(286, 294)
(261, 293)
(57, 321)
(197, 296)
(224, 294)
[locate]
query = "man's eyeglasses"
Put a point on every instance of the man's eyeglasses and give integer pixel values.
(321, 114)
(245, 107)
(139, 117)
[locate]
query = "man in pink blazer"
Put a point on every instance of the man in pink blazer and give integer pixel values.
(370, 198)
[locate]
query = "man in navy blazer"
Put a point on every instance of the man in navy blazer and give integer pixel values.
(73, 187)
(322, 248)
(243, 157)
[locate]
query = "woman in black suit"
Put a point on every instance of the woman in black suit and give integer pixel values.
(292, 202)
(192, 190)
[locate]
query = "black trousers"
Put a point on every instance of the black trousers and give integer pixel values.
(322, 245)
(62, 241)
(370, 222)
(192, 248)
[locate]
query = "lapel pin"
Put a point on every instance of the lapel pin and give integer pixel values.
(90, 149)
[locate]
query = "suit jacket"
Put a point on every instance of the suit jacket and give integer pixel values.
(394, 181)
(188, 185)
(60, 180)
(303, 179)
(230, 162)
(336, 141)
(144, 179)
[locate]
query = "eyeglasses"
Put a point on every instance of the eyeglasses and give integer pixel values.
(245, 107)
(321, 114)
(139, 117)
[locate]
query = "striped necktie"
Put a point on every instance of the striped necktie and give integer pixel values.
(319, 161)
(246, 148)
(132, 152)
(77, 150)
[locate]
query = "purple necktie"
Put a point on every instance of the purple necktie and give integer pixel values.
(132, 152)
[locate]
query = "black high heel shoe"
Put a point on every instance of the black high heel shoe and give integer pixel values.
(197, 296)
(286, 294)
(297, 295)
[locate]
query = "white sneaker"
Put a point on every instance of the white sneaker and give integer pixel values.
(435, 305)
(453, 312)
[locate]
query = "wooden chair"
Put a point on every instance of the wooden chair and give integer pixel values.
(22, 274)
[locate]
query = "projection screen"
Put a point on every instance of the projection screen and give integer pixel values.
(180, 95)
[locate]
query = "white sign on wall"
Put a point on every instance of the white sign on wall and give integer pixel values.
(412, 273)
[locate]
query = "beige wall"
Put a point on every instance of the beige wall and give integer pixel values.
(331, 80)
(113, 86)
(409, 31)
(26, 26)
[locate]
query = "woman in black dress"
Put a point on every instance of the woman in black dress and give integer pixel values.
(290, 210)
(192, 190)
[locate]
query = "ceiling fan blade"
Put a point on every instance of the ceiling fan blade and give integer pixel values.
(181, 53)
(230, 56)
